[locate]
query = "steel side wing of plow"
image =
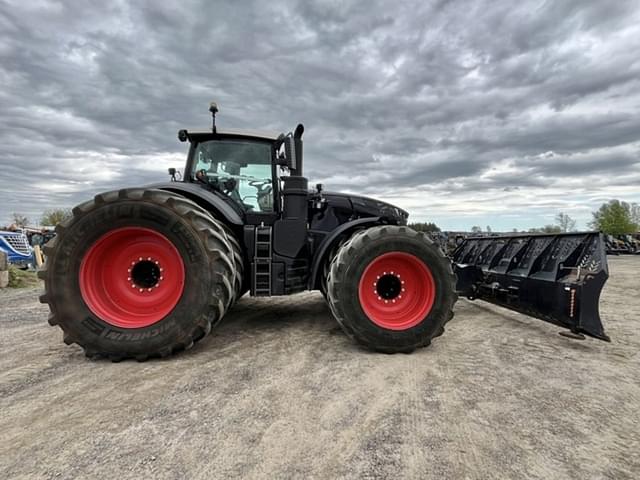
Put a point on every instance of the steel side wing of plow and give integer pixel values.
(556, 278)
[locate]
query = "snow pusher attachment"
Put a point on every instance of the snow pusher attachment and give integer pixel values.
(556, 278)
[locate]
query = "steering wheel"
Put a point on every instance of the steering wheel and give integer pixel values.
(263, 186)
(264, 189)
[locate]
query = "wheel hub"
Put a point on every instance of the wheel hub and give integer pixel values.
(145, 274)
(389, 286)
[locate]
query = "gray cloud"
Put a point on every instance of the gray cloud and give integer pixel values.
(463, 112)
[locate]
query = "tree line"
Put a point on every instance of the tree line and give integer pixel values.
(614, 217)
(49, 218)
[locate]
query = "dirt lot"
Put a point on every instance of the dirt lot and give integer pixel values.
(277, 392)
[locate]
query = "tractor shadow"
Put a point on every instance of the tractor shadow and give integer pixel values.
(256, 314)
(302, 319)
(522, 327)
(269, 327)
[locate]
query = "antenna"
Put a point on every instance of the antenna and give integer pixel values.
(213, 108)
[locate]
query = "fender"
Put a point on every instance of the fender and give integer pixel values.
(329, 241)
(207, 200)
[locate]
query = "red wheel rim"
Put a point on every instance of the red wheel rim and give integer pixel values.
(132, 277)
(397, 291)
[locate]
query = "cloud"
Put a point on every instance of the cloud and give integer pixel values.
(462, 112)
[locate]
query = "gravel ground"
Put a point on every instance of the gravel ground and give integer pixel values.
(279, 392)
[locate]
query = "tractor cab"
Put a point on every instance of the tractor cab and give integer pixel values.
(258, 176)
(247, 168)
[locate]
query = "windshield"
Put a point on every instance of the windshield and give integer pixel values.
(239, 168)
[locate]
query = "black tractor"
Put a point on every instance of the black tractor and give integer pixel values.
(144, 272)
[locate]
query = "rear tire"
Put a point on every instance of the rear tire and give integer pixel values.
(391, 289)
(138, 273)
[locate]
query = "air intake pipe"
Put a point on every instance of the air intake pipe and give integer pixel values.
(295, 198)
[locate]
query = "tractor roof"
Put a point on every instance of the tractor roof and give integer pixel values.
(235, 133)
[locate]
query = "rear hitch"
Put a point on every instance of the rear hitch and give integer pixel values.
(556, 278)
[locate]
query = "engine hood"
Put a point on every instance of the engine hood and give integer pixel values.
(371, 207)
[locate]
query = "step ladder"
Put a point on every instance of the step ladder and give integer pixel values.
(262, 261)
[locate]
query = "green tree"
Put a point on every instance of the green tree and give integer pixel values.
(565, 222)
(614, 218)
(20, 220)
(635, 215)
(55, 216)
(476, 229)
(428, 227)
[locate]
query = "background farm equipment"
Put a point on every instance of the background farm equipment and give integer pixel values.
(144, 272)
(16, 245)
(628, 244)
(631, 243)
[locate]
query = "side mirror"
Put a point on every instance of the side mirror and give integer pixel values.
(173, 172)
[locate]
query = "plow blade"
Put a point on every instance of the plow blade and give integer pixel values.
(556, 278)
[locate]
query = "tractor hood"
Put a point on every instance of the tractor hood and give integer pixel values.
(370, 207)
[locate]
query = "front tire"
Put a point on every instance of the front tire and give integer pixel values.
(391, 289)
(138, 273)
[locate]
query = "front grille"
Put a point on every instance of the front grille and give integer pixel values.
(18, 242)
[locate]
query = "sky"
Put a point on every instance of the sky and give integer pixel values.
(464, 113)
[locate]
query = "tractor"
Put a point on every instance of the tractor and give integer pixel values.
(146, 272)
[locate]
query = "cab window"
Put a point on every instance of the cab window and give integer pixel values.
(239, 168)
